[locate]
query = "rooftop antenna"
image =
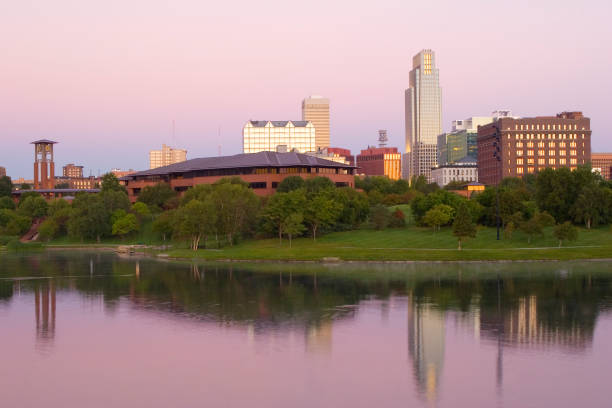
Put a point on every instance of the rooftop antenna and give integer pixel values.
(173, 133)
(382, 138)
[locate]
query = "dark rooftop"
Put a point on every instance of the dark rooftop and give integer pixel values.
(47, 141)
(261, 159)
(58, 190)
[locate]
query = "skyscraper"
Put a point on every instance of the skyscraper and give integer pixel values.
(316, 110)
(423, 112)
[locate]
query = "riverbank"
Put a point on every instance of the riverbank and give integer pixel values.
(390, 245)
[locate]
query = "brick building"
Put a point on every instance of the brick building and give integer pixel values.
(72, 171)
(380, 161)
(263, 171)
(602, 163)
(511, 147)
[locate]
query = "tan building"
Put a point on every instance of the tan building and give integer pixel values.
(512, 147)
(78, 183)
(380, 161)
(316, 110)
(267, 136)
(122, 173)
(166, 156)
(70, 170)
(602, 163)
(2, 172)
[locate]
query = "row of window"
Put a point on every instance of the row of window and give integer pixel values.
(547, 126)
(542, 161)
(521, 170)
(543, 144)
(542, 152)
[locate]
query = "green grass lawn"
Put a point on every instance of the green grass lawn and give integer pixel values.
(414, 243)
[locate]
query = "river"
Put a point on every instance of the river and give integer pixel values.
(81, 329)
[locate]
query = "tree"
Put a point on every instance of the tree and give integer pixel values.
(355, 207)
(317, 184)
(157, 195)
(463, 227)
(536, 224)
(196, 220)
(293, 225)
(236, 207)
(110, 182)
(48, 229)
(7, 203)
(164, 224)
(13, 223)
(290, 183)
(125, 225)
(380, 217)
(439, 215)
(199, 192)
(590, 206)
(565, 232)
(141, 210)
(321, 210)
(6, 186)
(25, 186)
(115, 200)
(279, 207)
(90, 219)
(33, 206)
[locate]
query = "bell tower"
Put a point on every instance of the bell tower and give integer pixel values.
(44, 167)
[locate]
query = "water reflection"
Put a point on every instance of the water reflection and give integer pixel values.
(543, 307)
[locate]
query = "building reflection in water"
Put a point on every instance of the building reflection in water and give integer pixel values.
(45, 306)
(426, 337)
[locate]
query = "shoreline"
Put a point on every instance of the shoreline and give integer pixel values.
(161, 255)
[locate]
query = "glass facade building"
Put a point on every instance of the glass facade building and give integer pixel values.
(267, 136)
(423, 116)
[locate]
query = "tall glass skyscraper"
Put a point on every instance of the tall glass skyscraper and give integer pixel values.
(423, 112)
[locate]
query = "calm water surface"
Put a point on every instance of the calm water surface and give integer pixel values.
(99, 330)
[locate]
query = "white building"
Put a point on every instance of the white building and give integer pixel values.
(464, 170)
(423, 116)
(166, 156)
(262, 136)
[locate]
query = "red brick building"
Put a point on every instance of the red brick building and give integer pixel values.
(380, 161)
(263, 171)
(512, 147)
(602, 162)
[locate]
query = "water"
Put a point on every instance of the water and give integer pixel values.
(98, 330)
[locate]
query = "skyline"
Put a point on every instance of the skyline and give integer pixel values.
(116, 78)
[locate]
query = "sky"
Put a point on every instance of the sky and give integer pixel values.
(106, 79)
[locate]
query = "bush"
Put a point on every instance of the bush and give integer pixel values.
(398, 219)
(48, 229)
(380, 216)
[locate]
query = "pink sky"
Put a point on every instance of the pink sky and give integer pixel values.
(107, 78)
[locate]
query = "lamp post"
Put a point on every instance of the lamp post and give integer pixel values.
(497, 156)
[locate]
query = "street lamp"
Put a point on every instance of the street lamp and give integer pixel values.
(497, 156)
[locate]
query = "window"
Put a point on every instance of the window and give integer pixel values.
(529, 152)
(519, 160)
(519, 170)
(573, 161)
(519, 152)
(541, 162)
(551, 161)
(530, 169)
(561, 161)
(519, 144)
(541, 152)
(551, 152)
(530, 160)
(551, 144)
(572, 152)
(562, 152)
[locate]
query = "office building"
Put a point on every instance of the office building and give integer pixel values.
(602, 163)
(263, 171)
(72, 171)
(326, 154)
(266, 136)
(462, 170)
(423, 116)
(346, 153)
(315, 109)
(461, 142)
(166, 156)
(380, 161)
(2, 172)
(510, 147)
